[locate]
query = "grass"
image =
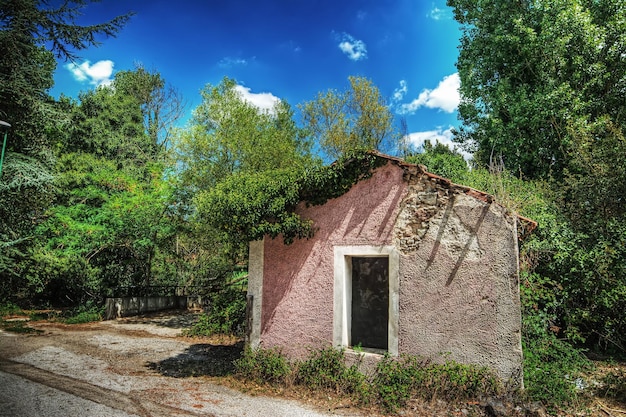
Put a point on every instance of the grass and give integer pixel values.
(19, 327)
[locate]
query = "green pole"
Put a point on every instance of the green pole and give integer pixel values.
(4, 144)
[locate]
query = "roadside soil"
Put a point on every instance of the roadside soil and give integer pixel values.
(132, 367)
(142, 366)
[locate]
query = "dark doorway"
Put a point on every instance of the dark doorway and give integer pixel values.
(370, 302)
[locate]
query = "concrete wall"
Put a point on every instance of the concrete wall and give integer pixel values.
(132, 306)
(458, 291)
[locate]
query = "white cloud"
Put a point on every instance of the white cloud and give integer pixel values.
(436, 13)
(229, 62)
(263, 101)
(96, 74)
(445, 97)
(398, 93)
(353, 48)
(443, 136)
(291, 46)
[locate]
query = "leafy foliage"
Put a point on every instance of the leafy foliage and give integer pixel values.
(531, 70)
(542, 86)
(226, 314)
(357, 118)
(327, 369)
(441, 160)
(228, 135)
(398, 380)
(331, 181)
(390, 386)
(551, 367)
(31, 34)
(85, 314)
(250, 206)
(613, 385)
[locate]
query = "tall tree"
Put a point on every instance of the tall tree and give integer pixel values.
(32, 33)
(161, 104)
(531, 71)
(233, 149)
(357, 118)
(227, 135)
(111, 221)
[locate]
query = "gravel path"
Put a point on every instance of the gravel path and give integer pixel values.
(132, 367)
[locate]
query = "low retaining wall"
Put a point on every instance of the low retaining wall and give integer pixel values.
(132, 306)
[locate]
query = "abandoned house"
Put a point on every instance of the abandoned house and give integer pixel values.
(403, 262)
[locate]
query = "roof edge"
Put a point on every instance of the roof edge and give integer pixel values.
(526, 225)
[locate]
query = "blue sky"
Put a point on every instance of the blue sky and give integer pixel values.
(285, 49)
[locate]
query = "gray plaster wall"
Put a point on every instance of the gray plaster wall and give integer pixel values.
(459, 279)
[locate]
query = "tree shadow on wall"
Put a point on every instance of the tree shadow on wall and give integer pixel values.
(200, 360)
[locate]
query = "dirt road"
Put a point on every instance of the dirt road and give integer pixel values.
(133, 367)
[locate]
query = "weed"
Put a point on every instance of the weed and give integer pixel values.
(84, 317)
(19, 327)
(263, 365)
(455, 381)
(327, 369)
(9, 308)
(394, 382)
(613, 385)
(398, 380)
(226, 315)
(84, 314)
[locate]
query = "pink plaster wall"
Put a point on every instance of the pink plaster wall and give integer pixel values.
(297, 310)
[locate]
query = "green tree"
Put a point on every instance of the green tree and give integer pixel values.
(105, 231)
(235, 161)
(357, 118)
(441, 160)
(533, 70)
(227, 135)
(593, 262)
(112, 222)
(32, 33)
(542, 90)
(161, 104)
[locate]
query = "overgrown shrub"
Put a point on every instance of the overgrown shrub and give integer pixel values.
(84, 314)
(263, 365)
(394, 382)
(327, 369)
(9, 308)
(456, 381)
(398, 380)
(226, 314)
(551, 369)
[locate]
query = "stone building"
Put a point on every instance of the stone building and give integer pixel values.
(404, 262)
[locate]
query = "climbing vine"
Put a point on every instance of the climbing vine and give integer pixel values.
(332, 181)
(249, 206)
